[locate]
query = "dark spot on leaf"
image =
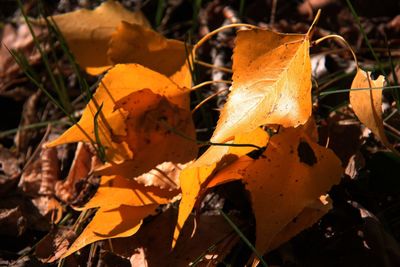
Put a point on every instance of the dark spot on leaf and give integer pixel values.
(257, 153)
(306, 154)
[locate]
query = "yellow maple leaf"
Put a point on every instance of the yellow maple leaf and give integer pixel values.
(133, 43)
(88, 32)
(271, 83)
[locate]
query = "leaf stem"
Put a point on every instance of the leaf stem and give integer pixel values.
(357, 89)
(207, 99)
(208, 83)
(214, 32)
(312, 27)
(335, 36)
(208, 65)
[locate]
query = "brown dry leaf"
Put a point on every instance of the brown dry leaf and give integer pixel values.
(133, 43)
(367, 104)
(54, 244)
(289, 176)
(88, 32)
(151, 244)
(120, 82)
(165, 176)
(112, 223)
(40, 177)
(10, 170)
(117, 190)
(19, 39)
(83, 163)
(13, 221)
(271, 83)
(193, 178)
(49, 208)
(154, 133)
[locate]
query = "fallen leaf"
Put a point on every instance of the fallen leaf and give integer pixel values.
(83, 163)
(40, 177)
(49, 208)
(163, 176)
(367, 104)
(193, 178)
(54, 244)
(156, 131)
(117, 190)
(307, 217)
(119, 222)
(134, 43)
(289, 176)
(151, 244)
(88, 32)
(20, 39)
(10, 170)
(120, 82)
(12, 221)
(271, 83)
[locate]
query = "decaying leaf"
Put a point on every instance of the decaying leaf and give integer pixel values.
(83, 163)
(134, 43)
(10, 170)
(40, 177)
(290, 175)
(19, 39)
(54, 244)
(367, 104)
(12, 221)
(111, 223)
(88, 32)
(120, 82)
(193, 178)
(271, 83)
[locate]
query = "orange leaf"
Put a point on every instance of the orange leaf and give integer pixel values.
(367, 104)
(291, 174)
(88, 32)
(133, 43)
(154, 133)
(271, 83)
(119, 222)
(307, 217)
(195, 175)
(118, 83)
(115, 191)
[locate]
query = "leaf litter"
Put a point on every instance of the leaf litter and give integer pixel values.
(265, 137)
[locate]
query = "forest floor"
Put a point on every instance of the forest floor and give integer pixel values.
(362, 228)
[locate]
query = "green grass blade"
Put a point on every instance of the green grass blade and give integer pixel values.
(101, 152)
(31, 126)
(64, 101)
(338, 91)
(159, 12)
